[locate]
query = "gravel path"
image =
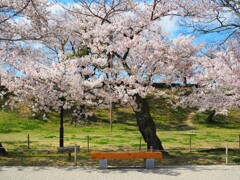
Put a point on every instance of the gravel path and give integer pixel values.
(91, 173)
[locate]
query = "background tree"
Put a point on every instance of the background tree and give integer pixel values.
(43, 77)
(218, 81)
(220, 18)
(11, 14)
(49, 87)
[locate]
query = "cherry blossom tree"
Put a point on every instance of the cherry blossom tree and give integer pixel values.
(221, 19)
(49, 87)
(124, 49)
(218, 81)
(13, 13)
(21, 21)
(34, 75)
(127, 36)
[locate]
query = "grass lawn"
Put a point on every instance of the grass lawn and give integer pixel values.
(208, 141)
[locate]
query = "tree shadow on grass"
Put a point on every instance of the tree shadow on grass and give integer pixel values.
(125, 117)
(166, 119)
(220, 121)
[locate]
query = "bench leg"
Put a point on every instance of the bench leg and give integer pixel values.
(149, 163)
(103, 163)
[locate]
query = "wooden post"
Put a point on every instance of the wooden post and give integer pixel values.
(28, 141)
(88, 142)
(226, 153)
(75, 155)
(190, 142)
(140, 144)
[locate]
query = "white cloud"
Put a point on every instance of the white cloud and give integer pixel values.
(169, 25)
(59, 7)
(56, 8)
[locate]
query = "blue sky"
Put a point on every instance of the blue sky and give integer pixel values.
(175, 30)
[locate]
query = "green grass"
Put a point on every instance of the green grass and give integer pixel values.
(171, 128)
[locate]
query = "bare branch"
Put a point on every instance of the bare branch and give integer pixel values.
(15, 13)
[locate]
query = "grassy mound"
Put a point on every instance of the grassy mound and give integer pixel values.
(174, 127)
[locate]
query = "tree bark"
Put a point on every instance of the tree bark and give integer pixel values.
(146, 124)
(3, 152)
(61, 129)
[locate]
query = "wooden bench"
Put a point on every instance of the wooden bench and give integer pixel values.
(69, 150)
(147, 156)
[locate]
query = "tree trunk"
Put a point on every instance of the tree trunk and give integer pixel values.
(146, 124)
(61, 130)
(3, 152)
(210, 117)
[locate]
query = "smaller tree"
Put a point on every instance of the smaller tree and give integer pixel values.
(49, 87)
